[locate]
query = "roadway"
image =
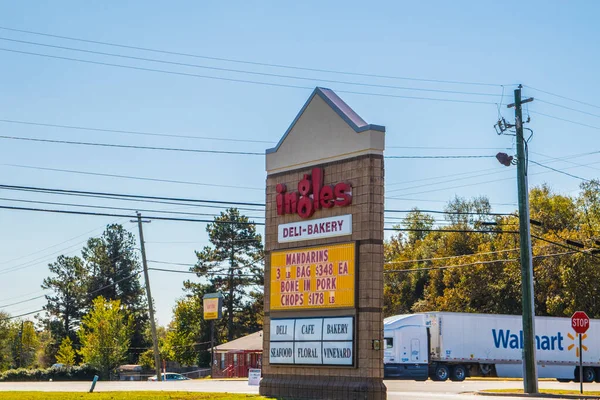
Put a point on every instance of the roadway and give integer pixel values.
(396, 389)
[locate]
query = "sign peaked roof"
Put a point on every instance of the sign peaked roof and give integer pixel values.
(327, 129)
(340, 107)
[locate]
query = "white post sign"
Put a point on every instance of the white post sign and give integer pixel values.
(253, 377)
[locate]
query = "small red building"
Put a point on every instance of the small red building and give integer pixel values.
(235, 358)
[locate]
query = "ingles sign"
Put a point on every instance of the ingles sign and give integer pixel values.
(312, 195)
(314, 277)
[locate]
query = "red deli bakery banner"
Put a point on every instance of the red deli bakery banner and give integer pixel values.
(313, 277)
(312, 195)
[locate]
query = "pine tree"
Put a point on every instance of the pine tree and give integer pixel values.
(232, 266)
(68, 301)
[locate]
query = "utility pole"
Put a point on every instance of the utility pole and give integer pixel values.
(149, 294)
(530, 382)
(21, 344)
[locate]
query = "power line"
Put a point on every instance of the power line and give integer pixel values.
(477, 183)
(23, 315)
(72, 212)
(22, 301)
(565, 120)
(586, 251)
(249, 62)
(449, 230)
(108, 197)
(92, 129)
(187, 200)
(439, 148)
(195, 273)
(472, 264)
(55, 245)
(553, 159)
(22, 295)
(447, 212)
(568, 108)
(441, 157)
(140, 178)
(471, 173)
(44, 258)
(92, 292)
(117, 195)
(125, 146)
(241, 80)
(445, 181)
(559, 171)
(170, 200)
(273, 75)
(558, 95)
(449, 257)
(112, 208)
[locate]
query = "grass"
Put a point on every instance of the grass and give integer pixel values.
(543, 391)
(125, 396)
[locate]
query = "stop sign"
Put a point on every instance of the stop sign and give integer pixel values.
(580, 322)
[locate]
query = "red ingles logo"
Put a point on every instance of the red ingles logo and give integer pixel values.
(312, 195)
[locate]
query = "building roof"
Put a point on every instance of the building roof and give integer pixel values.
(252, 342)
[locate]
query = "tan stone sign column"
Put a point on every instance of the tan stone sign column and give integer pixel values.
(323, 327)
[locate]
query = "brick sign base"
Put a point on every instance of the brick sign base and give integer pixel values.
(363, 380)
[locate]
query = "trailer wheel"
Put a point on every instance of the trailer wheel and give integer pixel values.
(589, 374)
(459, 373)
(442, 373)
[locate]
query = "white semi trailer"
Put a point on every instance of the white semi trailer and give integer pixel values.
(441, 346)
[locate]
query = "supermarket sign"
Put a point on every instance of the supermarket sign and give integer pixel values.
(313, 278)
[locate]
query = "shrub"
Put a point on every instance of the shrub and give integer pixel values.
(82, 373)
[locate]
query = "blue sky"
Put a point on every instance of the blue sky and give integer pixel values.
(548, 45)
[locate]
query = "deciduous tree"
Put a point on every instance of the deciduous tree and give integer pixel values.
(105, 335)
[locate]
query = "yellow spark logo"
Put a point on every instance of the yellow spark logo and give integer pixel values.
(573, 344)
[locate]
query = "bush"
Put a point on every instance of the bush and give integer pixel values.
(82, 373)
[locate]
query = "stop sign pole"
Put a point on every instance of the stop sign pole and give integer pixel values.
(580, 323)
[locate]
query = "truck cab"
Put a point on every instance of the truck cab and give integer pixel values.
(406, 344)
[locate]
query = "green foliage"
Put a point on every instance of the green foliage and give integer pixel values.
(146, 359)
(8, 333)
(112, 264)
(105, 335)
(487, 278)
(186, 329)
(232, 266)
(68, 301)
(83, 373)
(25, 344)
(66, 354)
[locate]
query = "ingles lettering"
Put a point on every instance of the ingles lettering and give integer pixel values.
(312, 195)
